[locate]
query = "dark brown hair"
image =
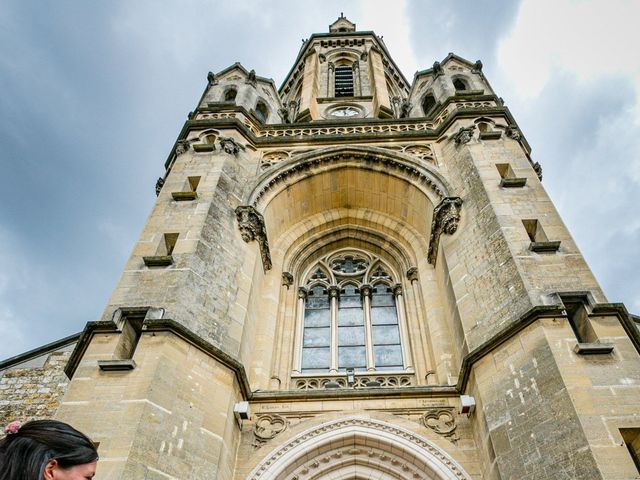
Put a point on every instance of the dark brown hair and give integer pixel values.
(25, 454)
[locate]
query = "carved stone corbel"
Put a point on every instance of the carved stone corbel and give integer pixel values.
(251, 78)
(182, 146)
(463, 135)
(284, 115)
(446, 216)
(252, 227)
(230, 146)
(287, 279)
(412, 274)
(538, 169)
(211, 78)
(159, 185)
(513, 132)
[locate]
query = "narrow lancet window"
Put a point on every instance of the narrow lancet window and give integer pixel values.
(344, 81)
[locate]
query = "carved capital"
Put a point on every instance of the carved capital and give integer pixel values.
(412, 274)
(366, 290)
(287, 279)
(334, 291)
(332, 66)
(463, 135)
(397, 290)
(446, 217)
(182, 146)
(252, 227)
(302, 293)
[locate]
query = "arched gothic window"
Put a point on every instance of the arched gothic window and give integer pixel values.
(230, 95)
(262, 112)
(350, 312)
(428, 103)
(460, 85)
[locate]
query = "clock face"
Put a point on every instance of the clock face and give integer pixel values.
(345, 112)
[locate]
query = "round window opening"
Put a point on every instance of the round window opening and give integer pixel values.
(345, 111)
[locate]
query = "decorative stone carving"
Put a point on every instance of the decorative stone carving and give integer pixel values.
(361, 381)
(412, 274)
(442, 421)
(437, 69)
(182, 146)
(366, 290)
(251, 78)
(538, 169)
(446, 216)
(271, 158)
(445, 463)
(397, 290)
(211, 78)
(463, 135)
(322, 57)
(334, 291)
(230, 146)
(252, 227)
(477, 67)
(302, 293)
(267, 427)
(401, 107)
(423, 152)
(287, 279)
(364, 56)
(513, 132)
(159, 185)
(284, 115)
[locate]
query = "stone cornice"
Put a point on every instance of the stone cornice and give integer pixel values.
(358, 130)
(160, 325)
(529, 317)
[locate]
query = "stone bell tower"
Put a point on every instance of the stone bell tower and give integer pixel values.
(356, 276)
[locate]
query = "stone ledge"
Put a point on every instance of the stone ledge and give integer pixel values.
(490, 135)
(594, 348)
(513, 182)
(203, 147)
(184, 196)
(117, 365)
(158, 260)
(545, 247)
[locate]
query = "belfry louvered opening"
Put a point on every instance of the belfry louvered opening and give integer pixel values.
(344, 81)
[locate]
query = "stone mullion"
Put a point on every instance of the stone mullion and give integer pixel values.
(297, 356)
(334, 293)
(365, 291)
(406, 345)
(423, 328)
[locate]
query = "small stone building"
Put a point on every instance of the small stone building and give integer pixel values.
(351, 276)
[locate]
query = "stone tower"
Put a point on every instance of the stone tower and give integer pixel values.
(356, 276)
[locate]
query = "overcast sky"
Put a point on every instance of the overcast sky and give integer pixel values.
(93, 95)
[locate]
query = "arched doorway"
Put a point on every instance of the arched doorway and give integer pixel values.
(358, 448)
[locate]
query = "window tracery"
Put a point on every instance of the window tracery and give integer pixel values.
(350, 313)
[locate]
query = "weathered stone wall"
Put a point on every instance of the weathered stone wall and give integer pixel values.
(31, 393)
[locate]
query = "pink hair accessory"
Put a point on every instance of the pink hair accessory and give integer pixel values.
(13, 427)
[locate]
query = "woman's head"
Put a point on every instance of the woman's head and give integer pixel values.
(46, 449)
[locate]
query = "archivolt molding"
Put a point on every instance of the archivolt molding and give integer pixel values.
(320, 449)
(372, 158)
(300, 253)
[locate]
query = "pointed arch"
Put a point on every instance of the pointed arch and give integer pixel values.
(347, 444)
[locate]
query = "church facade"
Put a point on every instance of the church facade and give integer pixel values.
(353, 276)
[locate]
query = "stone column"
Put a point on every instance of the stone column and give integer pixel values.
(297, 352)
(407, 350)
(334, 294)
(430, 374)
(365, 291)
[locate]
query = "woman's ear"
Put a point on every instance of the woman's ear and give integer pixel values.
(49, 469)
